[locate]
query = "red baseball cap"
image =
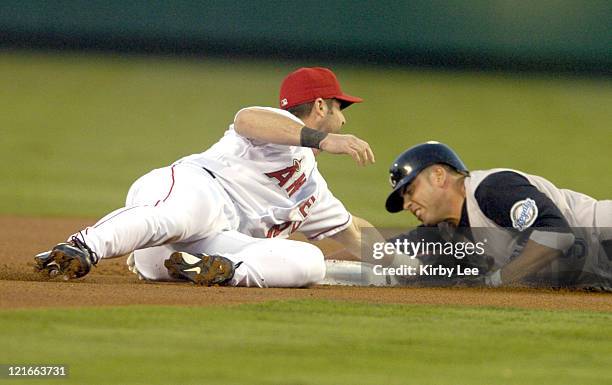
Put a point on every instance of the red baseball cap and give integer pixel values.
(307, 84)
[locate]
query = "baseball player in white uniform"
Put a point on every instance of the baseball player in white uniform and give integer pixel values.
(222, 216)
(534, 232)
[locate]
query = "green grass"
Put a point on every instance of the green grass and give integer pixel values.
(313, 342)
(78, 129)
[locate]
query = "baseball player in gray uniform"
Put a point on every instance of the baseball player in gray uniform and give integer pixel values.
(533, 231)
(221, 216)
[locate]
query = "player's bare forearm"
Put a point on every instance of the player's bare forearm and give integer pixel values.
(533, 258)
(350, 239)
(342, 255)
(268, 127)
(353, 238)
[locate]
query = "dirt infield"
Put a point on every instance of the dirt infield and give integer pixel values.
(112, 284)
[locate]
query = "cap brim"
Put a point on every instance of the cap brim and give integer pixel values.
(347, 100)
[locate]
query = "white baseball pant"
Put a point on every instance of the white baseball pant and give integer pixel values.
(183, 208)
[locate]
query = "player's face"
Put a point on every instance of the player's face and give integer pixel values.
(425, 199)
(334, 118)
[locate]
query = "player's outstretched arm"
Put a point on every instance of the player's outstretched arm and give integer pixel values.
(271, 127)
(533, 258)
(268, 126)
(355, 240)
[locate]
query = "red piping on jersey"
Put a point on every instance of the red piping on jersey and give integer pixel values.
(328, 230)
(133, 207)
(108, 219)
(171, 187)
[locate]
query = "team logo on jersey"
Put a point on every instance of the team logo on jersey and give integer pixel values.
(523, 214)
(289, 178)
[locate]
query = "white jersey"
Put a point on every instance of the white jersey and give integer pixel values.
(276, 189)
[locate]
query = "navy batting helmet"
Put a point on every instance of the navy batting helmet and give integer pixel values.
(411, 162)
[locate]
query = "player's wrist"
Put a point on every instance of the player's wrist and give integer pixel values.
(309, 137)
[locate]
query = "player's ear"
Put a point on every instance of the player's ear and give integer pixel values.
(320, 106)
(438, 175)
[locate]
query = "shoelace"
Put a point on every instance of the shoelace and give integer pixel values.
(83, 246)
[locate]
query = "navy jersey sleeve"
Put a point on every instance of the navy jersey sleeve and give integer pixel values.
(508, 199)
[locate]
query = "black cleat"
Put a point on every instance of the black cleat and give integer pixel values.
(201, 269)
(69, 260)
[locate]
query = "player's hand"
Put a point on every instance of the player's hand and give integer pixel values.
(351, 145)
(493, 279)
(487, 280)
